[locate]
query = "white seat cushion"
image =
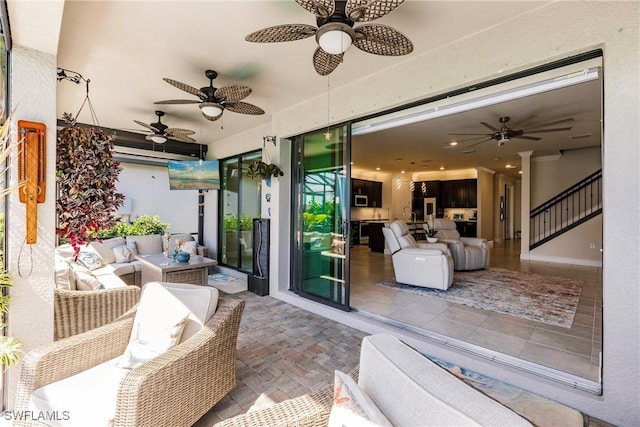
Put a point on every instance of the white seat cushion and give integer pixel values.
(85, 399)
(416, 391)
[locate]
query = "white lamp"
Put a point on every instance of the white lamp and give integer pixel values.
(335, 37)
(158, 139)
(211, 109)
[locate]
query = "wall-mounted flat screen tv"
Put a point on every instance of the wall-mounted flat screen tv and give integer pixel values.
(194, 175)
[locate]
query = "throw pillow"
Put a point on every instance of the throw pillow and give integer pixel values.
(123, 254)
(133, 248)
(352, 407)
(189, 247)
(89, 260)
(87, 281)
(158, 325)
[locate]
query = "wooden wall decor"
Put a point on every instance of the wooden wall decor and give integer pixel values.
(31, 169)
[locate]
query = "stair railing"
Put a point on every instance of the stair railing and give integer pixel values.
(568, 209)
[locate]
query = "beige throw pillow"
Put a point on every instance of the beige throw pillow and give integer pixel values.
(352, 407)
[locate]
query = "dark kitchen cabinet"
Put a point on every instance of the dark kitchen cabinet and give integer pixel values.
(372, 189)
(467, 228)
(376, 238)
(460, 193)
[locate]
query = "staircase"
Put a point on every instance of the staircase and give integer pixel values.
(568, 209)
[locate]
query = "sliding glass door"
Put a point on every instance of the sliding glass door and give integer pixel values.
(321, 212)
(239, 204)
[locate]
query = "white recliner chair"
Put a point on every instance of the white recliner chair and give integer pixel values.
(421, 264)
(469, 253)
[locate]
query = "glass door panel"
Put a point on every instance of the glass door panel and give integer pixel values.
(322, 213)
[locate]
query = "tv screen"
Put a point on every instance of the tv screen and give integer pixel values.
(194, 175)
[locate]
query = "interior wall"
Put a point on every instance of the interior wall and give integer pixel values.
(147, 186)
(580, 246)
(30, 320)
(486, 212)
(552, 174)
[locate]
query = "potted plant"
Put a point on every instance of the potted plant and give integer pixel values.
(432, 232)
(259, 170)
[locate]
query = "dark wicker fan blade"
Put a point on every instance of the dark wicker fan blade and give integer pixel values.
(282, 33)
(546, 130)
(232, 93)
(382, 40)
(555, 122)
(182, 138)
(368, 10)
(478, 143)
(179, 132)
(321, 8)
(185, 87)
(145, 125)
(470, 134)
(487, 125)
(179, 101)
(531, 138)
(324, 62)
(243, 108)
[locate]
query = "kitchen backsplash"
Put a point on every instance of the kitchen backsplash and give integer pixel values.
(467, 214)
(361, 214)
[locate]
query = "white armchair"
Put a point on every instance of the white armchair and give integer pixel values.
(469, 253)
(421, 264)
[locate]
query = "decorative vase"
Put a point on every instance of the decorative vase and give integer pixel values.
(183, 256)
(432, 239)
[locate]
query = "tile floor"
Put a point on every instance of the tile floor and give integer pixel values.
(575, 351)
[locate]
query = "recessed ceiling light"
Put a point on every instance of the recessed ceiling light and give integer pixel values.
(351, 162)
(401, 171)
(377, 168)
(453, 143)
(441, 168)
(398, 159)
(510, 166)
(520, 172)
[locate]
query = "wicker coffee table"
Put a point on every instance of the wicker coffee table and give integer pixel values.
(159, 268)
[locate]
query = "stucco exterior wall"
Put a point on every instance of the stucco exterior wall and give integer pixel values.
(554, 31)
(33, 98)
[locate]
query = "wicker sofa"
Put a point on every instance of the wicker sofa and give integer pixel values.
(85, 298)
(173, 389)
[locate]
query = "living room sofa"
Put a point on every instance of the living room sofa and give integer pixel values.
(409, 390)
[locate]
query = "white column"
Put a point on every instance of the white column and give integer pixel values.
(525, 206)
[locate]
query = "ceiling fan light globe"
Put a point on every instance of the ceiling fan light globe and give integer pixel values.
(335, 38)
(158, 139)
(211, 109)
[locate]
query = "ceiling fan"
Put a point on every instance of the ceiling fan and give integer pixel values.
(213, 101)
(505, 134)
(336, 32)
(161, 132)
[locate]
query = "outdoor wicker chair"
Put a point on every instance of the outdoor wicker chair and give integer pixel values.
(75, 312)
(173, 389)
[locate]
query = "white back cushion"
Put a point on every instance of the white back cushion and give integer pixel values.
(412, 390)
(201, 301)
(104, 249)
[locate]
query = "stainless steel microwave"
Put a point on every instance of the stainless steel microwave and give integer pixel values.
(361, 200)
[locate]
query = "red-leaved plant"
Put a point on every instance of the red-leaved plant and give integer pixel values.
(86, 176)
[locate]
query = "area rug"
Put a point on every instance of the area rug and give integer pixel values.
(226, 283)
(547, 299)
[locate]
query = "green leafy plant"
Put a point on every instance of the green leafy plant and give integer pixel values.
(10, 347)
(260, 170)
(233, 223)
(86, 175)
(143, 225)
(319, 216)
(431, 230)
